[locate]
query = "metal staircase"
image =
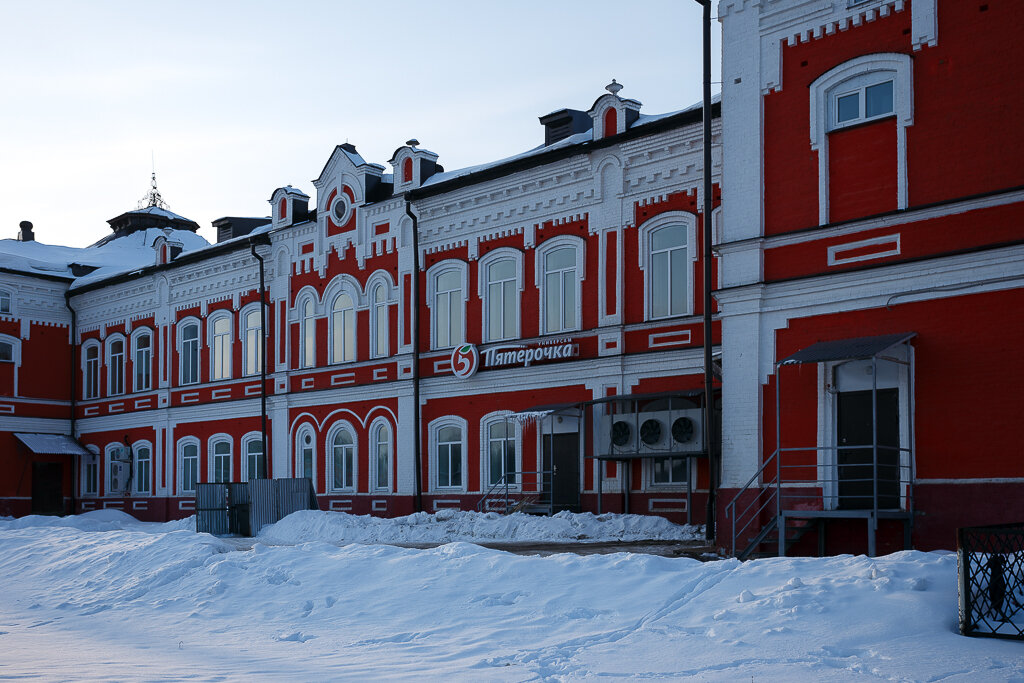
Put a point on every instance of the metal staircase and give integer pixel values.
(528, 492)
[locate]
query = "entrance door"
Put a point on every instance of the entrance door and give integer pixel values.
(855, 471)
(561, 457)
(47, 488)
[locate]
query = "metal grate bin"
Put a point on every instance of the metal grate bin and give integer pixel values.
(990, 563)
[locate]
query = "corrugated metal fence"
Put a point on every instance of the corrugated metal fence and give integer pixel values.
(243, 508)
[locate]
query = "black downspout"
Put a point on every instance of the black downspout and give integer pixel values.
(263, 239)
(709, 400)
(418, 497)
(74, 394)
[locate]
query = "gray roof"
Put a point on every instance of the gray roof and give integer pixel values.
(858, 348)
(51, 444)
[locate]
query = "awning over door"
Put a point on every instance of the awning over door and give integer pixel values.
(51, 444)
(858, 348)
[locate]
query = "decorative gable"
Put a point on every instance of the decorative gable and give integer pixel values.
(346, 182)
(611, 114)
(288, 206)
(413, 166)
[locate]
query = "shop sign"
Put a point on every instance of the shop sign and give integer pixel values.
(466, 360)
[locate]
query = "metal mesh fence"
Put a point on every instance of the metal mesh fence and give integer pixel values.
(991, 581)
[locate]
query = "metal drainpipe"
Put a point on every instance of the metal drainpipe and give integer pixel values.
(418, 496)
(709, 425)
(263, 239)
(74, 393)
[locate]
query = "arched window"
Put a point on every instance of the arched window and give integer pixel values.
(448, 449)
(282, 208)
(667, 261)
(500, 283)
(305, 454)
(188, 454)
(307, 352)
(446, 297)
(611, 122)
(143, 467)
(252, 341)
(379, 322)
(343, 459)
(220, 346)
(560, 266)
(343, 329)
(188, 350)
(142, 360)
(220, 459)
(380, 450)
(115, 365)
(407, 170)
(255, 461)
(91, 369)
(499, 434)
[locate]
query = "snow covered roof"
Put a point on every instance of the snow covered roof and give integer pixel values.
(112, 257)
(157, 211)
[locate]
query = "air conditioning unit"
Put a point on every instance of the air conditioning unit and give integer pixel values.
(120, 469)
(675, 431)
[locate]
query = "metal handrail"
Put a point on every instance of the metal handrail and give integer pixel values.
(512, 484)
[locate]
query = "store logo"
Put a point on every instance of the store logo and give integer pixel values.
(465, 361)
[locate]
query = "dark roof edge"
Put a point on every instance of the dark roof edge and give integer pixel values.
(41, 276)
(678, 120)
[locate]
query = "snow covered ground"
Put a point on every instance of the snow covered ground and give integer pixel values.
(102, 596)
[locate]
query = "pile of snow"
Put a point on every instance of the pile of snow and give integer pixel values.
(448, 525)
(147, 603)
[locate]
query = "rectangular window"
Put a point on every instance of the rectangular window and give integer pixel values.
(449, 457)
(116, 361)
(6, 351)
(143, 473)
(256, 463)
(222, 461)
(878, 100)
(92, 477)
(669, 470)
(190, 354)
(142, 363)
(220, 367)
(189, 467)
(848, 107)
(501, 445)
(253, 343)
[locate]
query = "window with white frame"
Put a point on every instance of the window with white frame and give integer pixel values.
(143, 467)
(307, 350)
(6, 351)
(220, 346)
(448, 449)
(188, 350)
(142, 360)
(667, 259)
(6, 302)
(379, 320)
(668, 471)
(343, 329)
(252, 341)
(343, 459)
(220, 459)
(446, 294)
(500, 451)
(869, 88)
(305, 452)
(115, 366)
(255, 462)
(380, 449)
(117, 468)
(91, 369)
(91, 471)
(560, 266)
(500, 284)
(188, 455)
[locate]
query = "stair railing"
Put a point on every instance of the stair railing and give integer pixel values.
(748, 515)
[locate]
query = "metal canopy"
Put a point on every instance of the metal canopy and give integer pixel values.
(51, 444)
(858, 348)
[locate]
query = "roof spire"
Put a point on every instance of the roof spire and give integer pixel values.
(613, 87)
(153, 197)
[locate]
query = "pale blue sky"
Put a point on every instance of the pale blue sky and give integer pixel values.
(235, 99)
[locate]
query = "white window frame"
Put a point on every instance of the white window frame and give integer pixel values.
(180, 449)
(6, 296)
(91, 462)
(300, 434)
(108, 459)
(91, 369)
(433, 273)
(249, 336)
(197, 352)
(211, 454)
(249, 438)
(540, 275)
(433, 430)
(380, 314)
(886, 66)
(484, 292)
(485, 447)
(138, 479)
(148, 364)
(378, 426)
(220, 363)
(115, 368)
(332, 433)
(338, 325)
(307, 331)
(646, 234)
